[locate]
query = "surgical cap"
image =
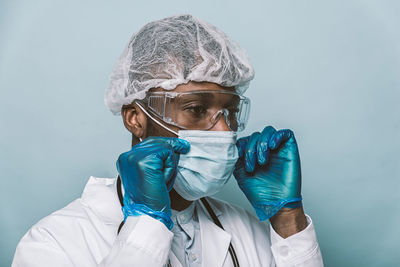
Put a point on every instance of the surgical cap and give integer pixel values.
(174, 51)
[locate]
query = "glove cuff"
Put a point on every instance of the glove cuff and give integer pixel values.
(140, 209)
(267, 209)
(294, 204)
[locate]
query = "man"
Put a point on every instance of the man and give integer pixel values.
(178, 86)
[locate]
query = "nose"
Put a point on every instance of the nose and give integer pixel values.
(220, 125)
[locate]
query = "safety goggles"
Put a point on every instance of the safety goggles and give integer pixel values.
(199, 110)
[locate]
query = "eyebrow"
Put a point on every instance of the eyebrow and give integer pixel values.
(199, 96)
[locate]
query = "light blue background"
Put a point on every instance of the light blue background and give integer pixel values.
(329, 70)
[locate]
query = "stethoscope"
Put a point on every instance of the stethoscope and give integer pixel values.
(209, 210)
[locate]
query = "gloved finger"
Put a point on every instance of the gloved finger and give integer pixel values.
(178, 145)
(262, 145)
(279, 138)
(170, 169)
(164, 161)
(250, 152)
(241, 145)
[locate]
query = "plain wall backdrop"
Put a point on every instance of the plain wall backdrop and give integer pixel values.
(329, 70)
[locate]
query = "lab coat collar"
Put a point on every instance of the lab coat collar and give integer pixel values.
(214, 240)
(100, 196)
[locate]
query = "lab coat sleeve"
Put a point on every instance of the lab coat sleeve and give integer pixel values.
(143, 241)
(38, 248)
(300, 249)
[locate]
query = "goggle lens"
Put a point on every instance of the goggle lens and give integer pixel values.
(200, 110)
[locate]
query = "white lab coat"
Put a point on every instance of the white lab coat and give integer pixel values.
(84, 233)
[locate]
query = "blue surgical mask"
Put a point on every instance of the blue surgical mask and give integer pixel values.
(209, 164)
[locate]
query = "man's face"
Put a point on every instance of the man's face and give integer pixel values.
(185, 110)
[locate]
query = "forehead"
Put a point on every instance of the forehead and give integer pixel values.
(195, 86)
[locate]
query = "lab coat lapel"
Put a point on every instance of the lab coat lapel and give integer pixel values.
(214, 240)
(101, 199)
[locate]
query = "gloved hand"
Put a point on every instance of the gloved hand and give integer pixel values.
(268, 171)
(148, 172)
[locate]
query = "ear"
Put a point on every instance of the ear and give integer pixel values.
(135, 120)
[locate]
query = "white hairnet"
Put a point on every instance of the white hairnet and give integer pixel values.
(174, 51)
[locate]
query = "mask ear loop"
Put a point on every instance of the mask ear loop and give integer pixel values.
(156, 121)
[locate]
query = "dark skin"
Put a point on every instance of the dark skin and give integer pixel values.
(286, 222)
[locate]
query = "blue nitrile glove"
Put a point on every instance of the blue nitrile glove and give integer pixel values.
(268, 171)
(148, 172)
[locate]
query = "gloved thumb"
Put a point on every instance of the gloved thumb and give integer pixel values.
(178, 145)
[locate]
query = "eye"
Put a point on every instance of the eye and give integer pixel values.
(196, 110)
